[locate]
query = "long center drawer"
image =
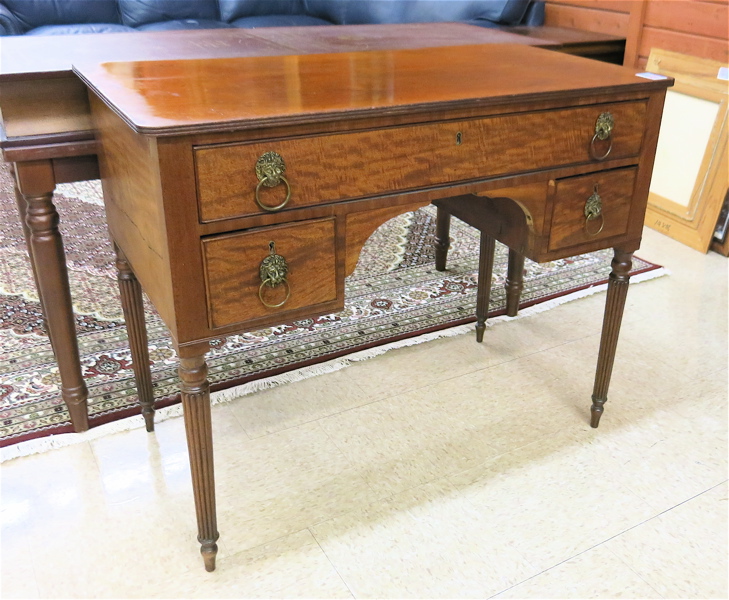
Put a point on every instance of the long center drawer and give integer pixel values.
(344, 166)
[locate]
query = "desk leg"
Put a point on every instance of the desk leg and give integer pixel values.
(485, 271)
(196, 406)
(442, 238)
(133, 307)
(514, 282)
(614, 305)
(36, 184)
(22, 214)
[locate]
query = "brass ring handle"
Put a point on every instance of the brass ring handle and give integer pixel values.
(593, 211)
(278, 206)
(592, 149)
(602, 225)
(273, 272)
(603, 130)
(268, 283)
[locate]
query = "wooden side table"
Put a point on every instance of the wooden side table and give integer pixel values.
(240, 191)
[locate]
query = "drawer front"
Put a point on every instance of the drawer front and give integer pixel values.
(606, 196)
(233, 278)
(352, 165)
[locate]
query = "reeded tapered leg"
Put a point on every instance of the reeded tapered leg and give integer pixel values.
(442, 238)
(133, 307)
(483, 295)
(196, 406)
(36, 184)
(614, 305)
(514, 282)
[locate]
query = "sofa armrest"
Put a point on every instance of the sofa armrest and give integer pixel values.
(9, 23)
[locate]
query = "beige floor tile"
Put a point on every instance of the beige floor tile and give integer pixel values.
(448, 427)
(415, 367)
(597, 573)
(426, 542)
(683, 552)
(550, 499)
(17, 574)
(291, 567)
(286, 406)
(281, 483)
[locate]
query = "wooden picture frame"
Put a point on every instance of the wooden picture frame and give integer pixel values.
(690, 173)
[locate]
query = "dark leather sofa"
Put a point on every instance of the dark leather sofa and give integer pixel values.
(53, 17)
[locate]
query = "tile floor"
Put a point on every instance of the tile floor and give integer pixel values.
(448, 469)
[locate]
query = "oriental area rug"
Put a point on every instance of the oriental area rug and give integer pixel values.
(394, 297)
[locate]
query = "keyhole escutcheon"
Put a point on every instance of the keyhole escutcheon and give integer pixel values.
(459, 138)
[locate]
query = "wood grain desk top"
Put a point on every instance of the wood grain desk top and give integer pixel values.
(175, 97)
(45, 56)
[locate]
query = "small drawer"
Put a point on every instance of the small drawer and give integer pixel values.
(343, 166)
(606, 197)
(234, 288)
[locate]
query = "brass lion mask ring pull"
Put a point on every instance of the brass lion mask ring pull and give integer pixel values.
(593, 212)
(273, 271)
(270, 169)
(603, 130)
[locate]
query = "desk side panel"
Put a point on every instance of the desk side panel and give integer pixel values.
(129, 169)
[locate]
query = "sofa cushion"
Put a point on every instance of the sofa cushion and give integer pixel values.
(80, 28)
(35, 13)
(505, 12)
(183, 24)
(346, 12)
(278, 21)
(136, 13)
(230, 10)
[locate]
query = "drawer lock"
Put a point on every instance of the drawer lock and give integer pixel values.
(603, 130)
(593, 211)
(273, 273)
(270, 168)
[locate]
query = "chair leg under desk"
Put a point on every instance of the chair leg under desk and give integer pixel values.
(133, 307)
(514, 282)
(483, 295)
(515, 270)
(36, 184)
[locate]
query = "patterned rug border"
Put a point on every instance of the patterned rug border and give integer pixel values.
(170, 407)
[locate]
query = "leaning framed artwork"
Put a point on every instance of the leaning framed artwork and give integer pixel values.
(690, 173)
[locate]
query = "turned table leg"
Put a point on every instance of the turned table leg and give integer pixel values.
(614, 304)
(442, 238)
(196, 406)
(133, 307)
(36, 184)
(483, 295)
(514, 282)
(23, 214)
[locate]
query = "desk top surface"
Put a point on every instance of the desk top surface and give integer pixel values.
(29, 57)
(203, 95)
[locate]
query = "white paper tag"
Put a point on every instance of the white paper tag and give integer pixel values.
(648, 75)
(723, 73)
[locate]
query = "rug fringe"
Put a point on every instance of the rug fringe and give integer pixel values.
(224, 396)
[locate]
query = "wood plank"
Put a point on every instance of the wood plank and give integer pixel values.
(586, 18)
(620, 6)
(703, 19)
(685, 43)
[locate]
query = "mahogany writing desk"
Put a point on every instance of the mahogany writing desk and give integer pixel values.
(240, 191)
(47, 135)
